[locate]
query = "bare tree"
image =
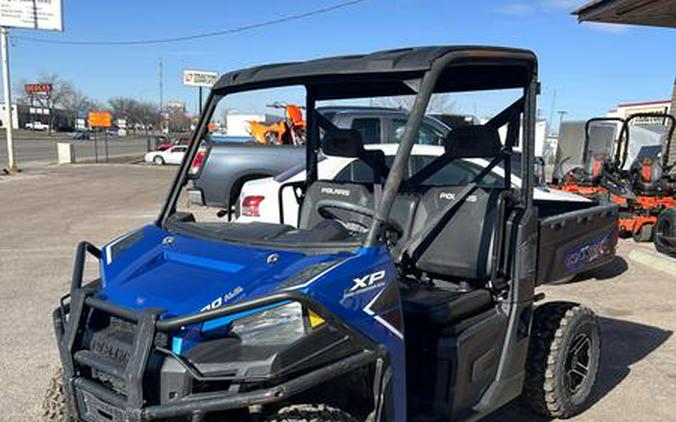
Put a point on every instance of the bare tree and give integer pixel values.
(137, 113)
(177, 120)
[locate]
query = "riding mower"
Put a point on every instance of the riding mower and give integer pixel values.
(408, 300)
(650, 212)
(598, 177)
(644, 190)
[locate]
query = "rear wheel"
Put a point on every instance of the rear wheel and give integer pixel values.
(54, 407)
(665, 232)
(644, 234)
(311, 413)
(563, 359)
(158, 160)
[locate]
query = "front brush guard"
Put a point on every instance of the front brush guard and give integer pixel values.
(95, 402)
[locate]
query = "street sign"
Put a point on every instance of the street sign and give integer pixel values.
(100, 119)
(32, 14)
(199, 78)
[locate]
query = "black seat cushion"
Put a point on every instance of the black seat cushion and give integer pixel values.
(441, 307)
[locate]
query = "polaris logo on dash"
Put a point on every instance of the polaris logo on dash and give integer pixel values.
(450, 196)
(335, 191)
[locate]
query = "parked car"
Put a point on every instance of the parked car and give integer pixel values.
(228, 166)
(173, 155)
(259, 199)
(80, 135)
(166, 143)
(37, 126)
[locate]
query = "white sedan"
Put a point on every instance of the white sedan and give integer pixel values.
(259, 199)
(173, 155)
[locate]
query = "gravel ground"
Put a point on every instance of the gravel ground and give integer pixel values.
(45, 212)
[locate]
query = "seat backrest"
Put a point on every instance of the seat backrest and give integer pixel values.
(403, 209)
(459, 245)
(349, 192)
(462, 247)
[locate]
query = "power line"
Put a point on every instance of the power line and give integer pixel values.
(230, 31)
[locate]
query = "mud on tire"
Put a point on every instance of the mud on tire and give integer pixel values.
(311, 413)
(54, 408)
(563, 359)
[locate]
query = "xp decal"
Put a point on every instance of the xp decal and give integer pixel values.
(587, 253)
(366, 283)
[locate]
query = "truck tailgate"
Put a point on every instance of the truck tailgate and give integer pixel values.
(572, 242)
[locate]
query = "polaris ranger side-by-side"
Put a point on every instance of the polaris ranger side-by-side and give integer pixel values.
(396, 299)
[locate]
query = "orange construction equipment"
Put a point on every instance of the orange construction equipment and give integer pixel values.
(290, 131)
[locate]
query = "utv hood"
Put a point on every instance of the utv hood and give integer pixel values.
(152, 268)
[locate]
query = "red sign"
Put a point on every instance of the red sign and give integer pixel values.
(35, 88)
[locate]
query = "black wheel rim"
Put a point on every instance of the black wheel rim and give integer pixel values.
(578, 363)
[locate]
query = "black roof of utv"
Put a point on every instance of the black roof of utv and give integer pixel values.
(473, 67)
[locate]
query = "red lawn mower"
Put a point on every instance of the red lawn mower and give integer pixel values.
(644, 190)
(651, 213)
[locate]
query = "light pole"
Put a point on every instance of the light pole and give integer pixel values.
(11, 163)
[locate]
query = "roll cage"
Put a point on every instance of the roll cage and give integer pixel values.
(412, 71)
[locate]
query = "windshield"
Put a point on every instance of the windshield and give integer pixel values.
(247, 181)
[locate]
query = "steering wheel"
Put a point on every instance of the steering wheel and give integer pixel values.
(324, 205)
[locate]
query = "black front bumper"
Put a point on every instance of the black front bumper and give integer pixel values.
(95, 401)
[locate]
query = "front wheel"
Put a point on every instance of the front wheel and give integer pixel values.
(665, 232)
(158, 160)
(311, 413)
(54, 405)
(563, 359)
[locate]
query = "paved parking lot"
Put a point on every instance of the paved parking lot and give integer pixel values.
(45, 212)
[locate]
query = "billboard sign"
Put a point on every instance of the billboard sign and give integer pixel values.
(100, 119)
(32, 14)
(38, 89)
(199, 78)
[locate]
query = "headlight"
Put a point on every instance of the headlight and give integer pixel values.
(277, 325)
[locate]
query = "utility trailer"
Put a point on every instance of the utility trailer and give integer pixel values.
(392, 301)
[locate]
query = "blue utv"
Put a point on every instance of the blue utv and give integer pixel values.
(394, 299)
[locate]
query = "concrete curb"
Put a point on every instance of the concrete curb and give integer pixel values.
(654, 260)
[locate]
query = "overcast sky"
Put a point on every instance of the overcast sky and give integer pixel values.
(590, 67)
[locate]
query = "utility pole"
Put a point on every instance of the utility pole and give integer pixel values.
(11, 163)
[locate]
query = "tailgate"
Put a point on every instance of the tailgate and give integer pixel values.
(576, 241)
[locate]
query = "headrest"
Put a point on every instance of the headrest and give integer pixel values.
(343, 143)
(478, 141)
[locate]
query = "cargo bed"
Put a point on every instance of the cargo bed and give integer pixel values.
(574, 237)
